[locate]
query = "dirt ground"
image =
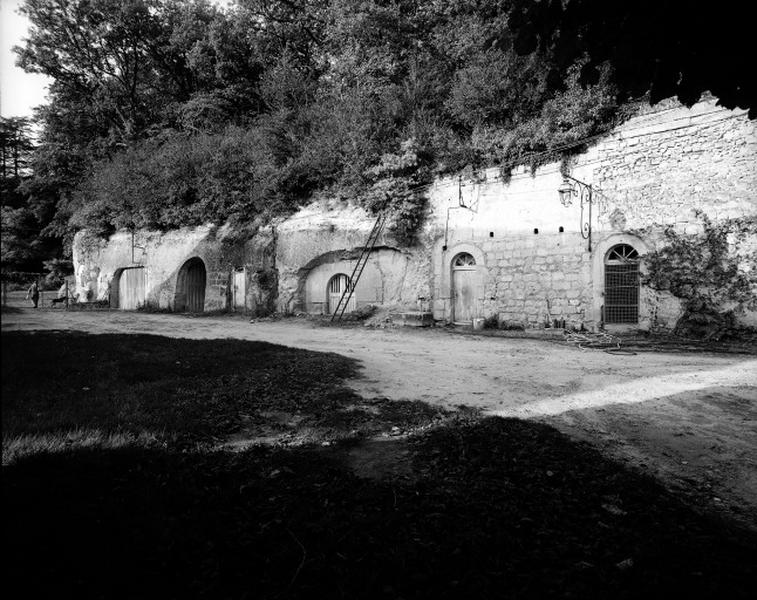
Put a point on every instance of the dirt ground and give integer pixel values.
(689, 419)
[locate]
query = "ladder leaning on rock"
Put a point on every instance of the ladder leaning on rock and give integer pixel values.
(362, 260)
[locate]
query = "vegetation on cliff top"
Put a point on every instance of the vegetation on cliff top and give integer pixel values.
(165, 113)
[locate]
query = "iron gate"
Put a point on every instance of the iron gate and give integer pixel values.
(622, 285)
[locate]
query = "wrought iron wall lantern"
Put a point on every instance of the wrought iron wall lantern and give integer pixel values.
(571, 188)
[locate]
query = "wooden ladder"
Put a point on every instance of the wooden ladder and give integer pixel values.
(362, 260)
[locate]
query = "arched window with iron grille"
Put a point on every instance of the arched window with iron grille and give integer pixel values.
(621, 285)
(463, 260)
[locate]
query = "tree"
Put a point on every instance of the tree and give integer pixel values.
(15, 149)
(661, 47)
(23, 246)
(125, 60)
(153, 102)
(19, 243)
(122, 71)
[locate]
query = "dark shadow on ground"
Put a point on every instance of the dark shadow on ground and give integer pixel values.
(498, 508)
(188, 391)
(701, 442)
(486, 508)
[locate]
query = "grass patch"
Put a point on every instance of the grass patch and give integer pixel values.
(71, 389)
(123, 491)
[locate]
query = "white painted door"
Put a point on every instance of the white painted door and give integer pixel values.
(131, 289)
(337, 287)
(240, 289)
(464, 291)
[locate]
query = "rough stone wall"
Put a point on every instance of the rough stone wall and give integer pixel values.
(657, 170)
(534, 266)
(657, 167)
(660, 169)
(537, 280)
(663, 308)
(324, 239)
(162, 255)
(381, 281)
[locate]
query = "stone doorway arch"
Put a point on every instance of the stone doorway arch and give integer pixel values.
(190, 286)
(128, 288)
(463, 292)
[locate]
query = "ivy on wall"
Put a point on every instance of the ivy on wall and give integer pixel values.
(703, 271)
(399, 185)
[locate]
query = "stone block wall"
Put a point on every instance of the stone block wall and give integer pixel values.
(524, 280)
(660, 169)
(657, 167)
(539, 279)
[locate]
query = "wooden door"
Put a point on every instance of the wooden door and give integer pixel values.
(131, 289)
(196, 287)
(337, 287)
(240, 288)
(464, 295)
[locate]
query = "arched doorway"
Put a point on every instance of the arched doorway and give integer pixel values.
(337, 286)
(190, 287)
(621, 285)
(463, 288)
(128, 288)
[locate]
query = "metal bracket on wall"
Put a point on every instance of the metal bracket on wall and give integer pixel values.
(460, 204)
(133, 247)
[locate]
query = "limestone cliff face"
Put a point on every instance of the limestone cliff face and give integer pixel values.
(161, 256)
(324, 239)
(529, 259)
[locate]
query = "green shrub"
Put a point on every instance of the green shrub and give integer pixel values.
(700, 270)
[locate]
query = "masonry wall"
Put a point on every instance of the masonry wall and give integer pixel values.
(535, 260)
(659, 166)
(162, 255)
(658, 170)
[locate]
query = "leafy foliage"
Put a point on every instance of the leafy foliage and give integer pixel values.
(18, 241)
(15, 150)
(702, 272)
(398, 187)
(23, 246)
(666, 49)
(167, 113)
(178, 179)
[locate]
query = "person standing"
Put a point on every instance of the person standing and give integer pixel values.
(33, 293)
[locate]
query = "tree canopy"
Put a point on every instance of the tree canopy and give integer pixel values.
(662, 47)
(21, 247)
(166, 113)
